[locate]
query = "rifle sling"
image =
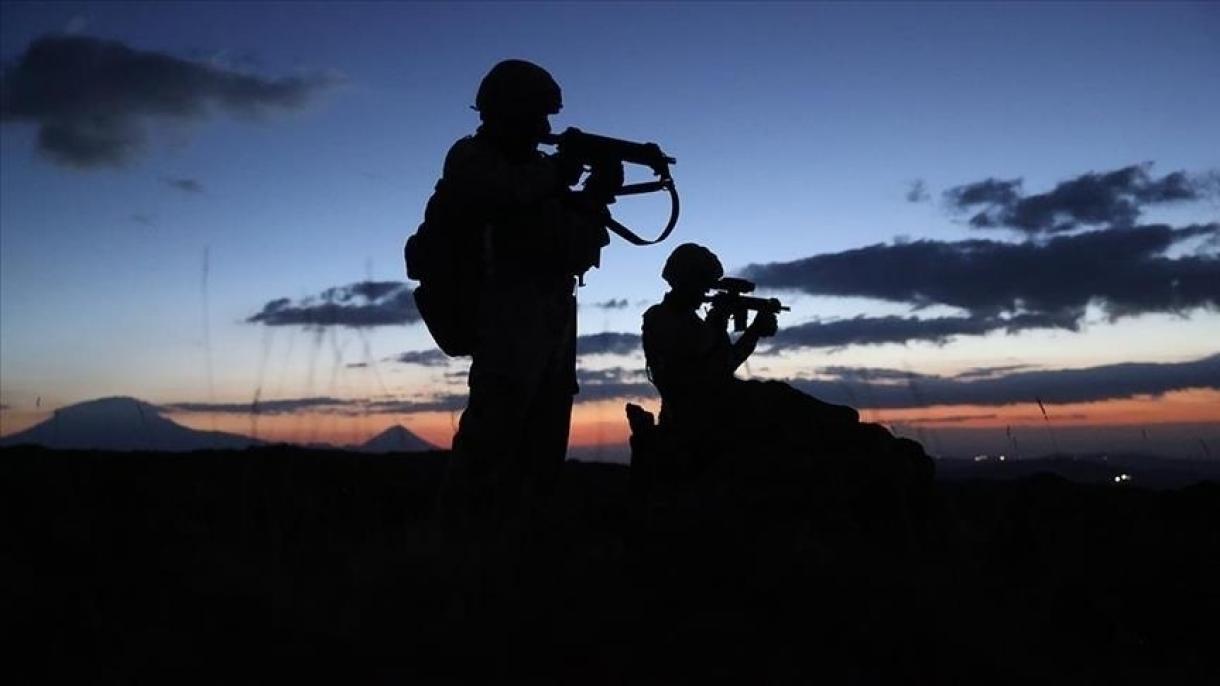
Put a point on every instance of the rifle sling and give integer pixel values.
(648, 187)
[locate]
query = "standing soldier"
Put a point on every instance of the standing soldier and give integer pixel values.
(521, 238)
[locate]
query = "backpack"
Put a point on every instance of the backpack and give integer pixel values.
(444, 256)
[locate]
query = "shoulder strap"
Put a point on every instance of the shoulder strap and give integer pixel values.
(674, 207)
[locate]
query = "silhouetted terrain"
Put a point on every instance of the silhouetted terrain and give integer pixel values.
(1131, 469)
(122, 423)
(396, 439)
(282, 564)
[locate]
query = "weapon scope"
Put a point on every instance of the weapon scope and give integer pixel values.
(730, 296)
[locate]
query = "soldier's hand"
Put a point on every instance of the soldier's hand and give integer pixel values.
(568, 169)
(605, 181)
(720, 311)
(765, 324)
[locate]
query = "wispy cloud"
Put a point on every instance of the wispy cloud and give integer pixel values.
(608, 343)
(613, 383)
(947, 419)
(268, 407)
(863, 330)
(978, 372)
(423, 358)
(327, 405)
(918, 191)
(185, 185)
(1105, 382)
(612, 304)
(358, 305)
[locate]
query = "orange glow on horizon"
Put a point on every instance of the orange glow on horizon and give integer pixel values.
(595, 423)
(1178, 407)
(604, 423)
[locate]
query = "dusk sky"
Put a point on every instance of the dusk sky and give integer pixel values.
(973, 209)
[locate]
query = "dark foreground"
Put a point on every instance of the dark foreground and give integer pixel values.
(282, 565)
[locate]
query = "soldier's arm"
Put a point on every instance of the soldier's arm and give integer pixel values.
(764, 324)
(743, 348)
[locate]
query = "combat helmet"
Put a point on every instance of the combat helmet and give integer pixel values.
(518, 87)
(692, 266)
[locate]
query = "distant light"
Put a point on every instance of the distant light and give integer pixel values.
(1001, 458)
(980, 458)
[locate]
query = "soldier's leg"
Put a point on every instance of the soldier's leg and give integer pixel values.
(546, 443)
(485, 470)
(490, 433)
(550, 418)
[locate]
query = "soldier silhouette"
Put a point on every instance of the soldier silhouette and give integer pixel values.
(522, 238)
(706, 411)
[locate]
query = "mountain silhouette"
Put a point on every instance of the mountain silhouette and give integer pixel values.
(122, 423)
(396, 439)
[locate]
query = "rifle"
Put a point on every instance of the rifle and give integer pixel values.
(729, 296)
(591, 150)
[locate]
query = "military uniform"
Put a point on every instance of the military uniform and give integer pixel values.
(528, 237)
(689, 361)
(705, 409)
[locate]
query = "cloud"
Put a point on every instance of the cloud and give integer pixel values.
(612, 304)
(93, 99)
(358, 305)
(1113, 198)
(977, 372)
(918, 191)
(864, 330)
(593, 344)
(1057, 386)
(258, 406)
(185, 185)
(608, 343)
(948, 419)
(1001, 286)
(326, 405)
(870, 373)
(615, 391)
(445, 402)
(614, 382)
(423, 358)
(609, 375)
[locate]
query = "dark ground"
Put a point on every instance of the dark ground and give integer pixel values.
(283, 564)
